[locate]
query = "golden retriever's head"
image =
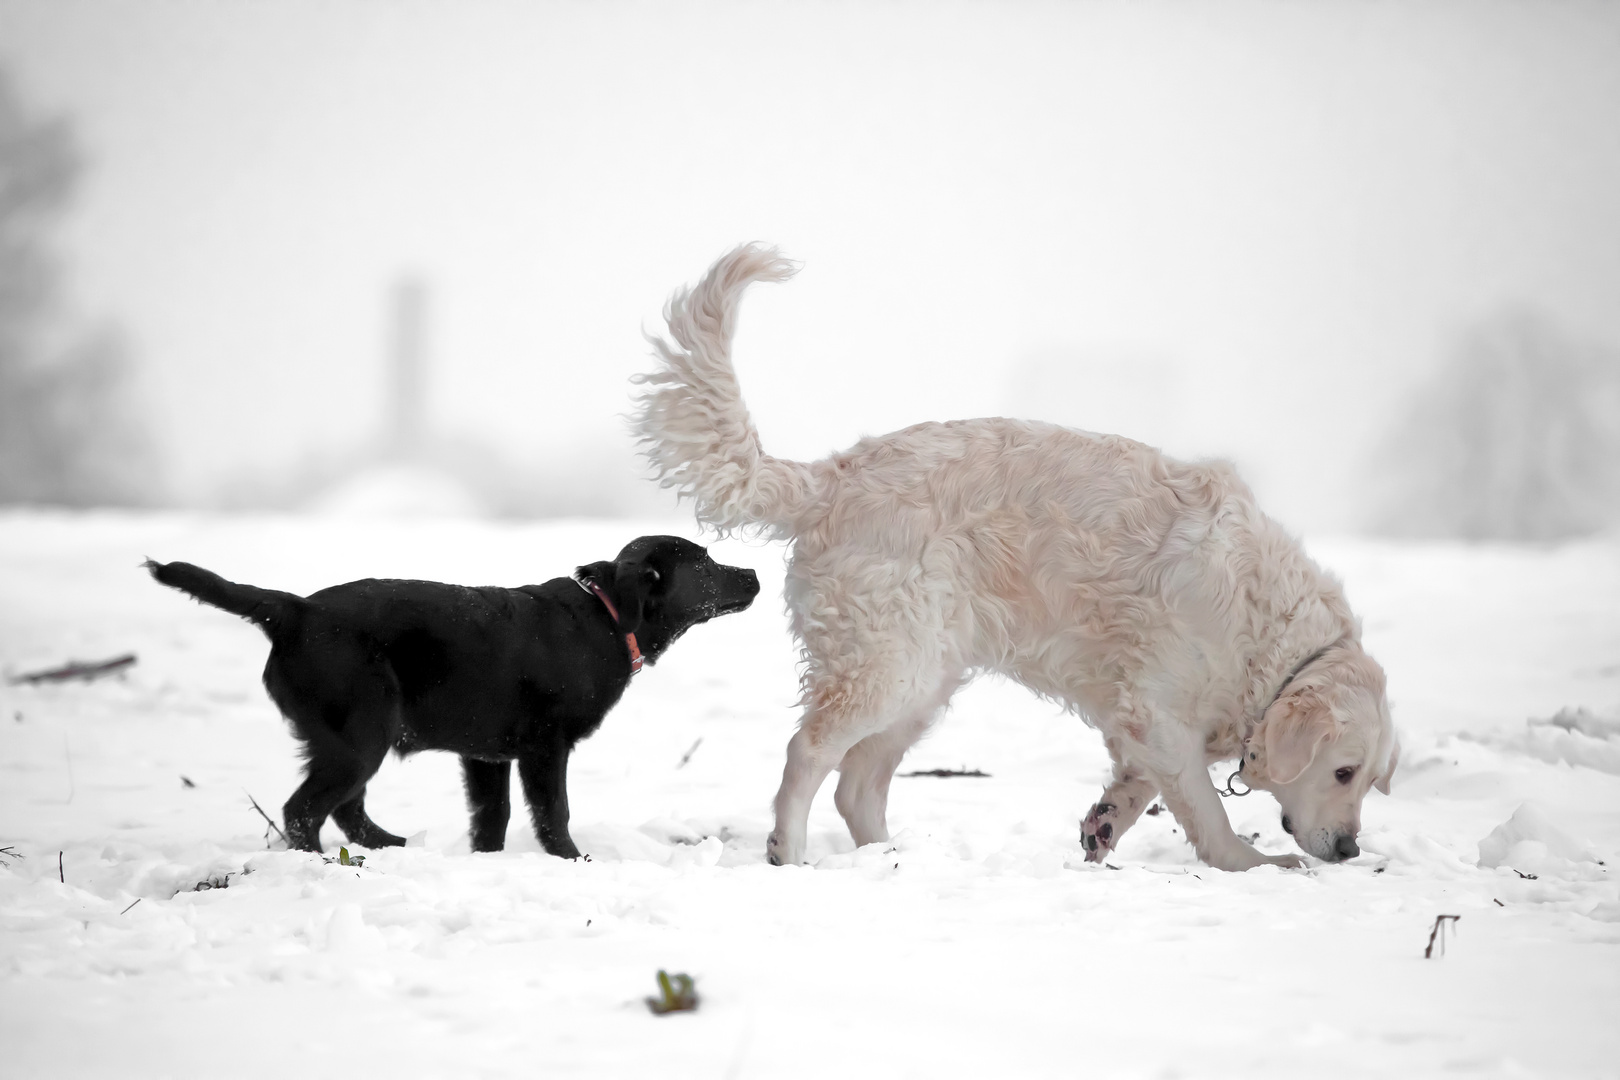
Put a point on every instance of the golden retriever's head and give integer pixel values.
(1325, 740)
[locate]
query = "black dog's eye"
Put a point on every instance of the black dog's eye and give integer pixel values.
(1344, 773)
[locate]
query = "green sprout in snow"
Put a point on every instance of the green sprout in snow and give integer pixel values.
(680, 995)
(345, 859)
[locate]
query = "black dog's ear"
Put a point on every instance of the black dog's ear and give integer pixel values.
(633, 581)
(626, 585)
(600, 572)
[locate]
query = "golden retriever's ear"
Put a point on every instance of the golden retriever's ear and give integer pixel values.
(1382, 783)
(1294, 732)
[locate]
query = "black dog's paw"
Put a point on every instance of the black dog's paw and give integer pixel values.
(563, 847)
(375, 837)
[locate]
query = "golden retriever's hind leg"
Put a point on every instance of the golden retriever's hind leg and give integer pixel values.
(807, 766)
(868, 767)
(862, 796)
(1121, 804)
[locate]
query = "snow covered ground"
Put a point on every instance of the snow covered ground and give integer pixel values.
(977, 944)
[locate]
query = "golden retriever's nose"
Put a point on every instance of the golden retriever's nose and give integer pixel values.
(1345, 847)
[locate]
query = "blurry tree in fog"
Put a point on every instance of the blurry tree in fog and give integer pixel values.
(65, 435)
(1517, 437)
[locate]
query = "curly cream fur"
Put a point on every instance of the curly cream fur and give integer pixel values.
(1148, 595)
(692, 418)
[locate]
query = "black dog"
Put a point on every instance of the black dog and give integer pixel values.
(495, 675)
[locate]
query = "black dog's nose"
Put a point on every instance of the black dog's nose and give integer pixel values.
(1345, 847)
(753, 581)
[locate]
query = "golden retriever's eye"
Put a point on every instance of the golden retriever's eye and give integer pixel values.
(1344, 773)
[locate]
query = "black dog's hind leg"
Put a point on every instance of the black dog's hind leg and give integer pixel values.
(357, 825)
(333, 780)
(545, 786)
(489, 799)
(344, 703)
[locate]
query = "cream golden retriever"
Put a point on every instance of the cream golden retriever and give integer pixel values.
(1148, 595)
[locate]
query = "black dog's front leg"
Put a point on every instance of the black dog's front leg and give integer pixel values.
(545, 786)
(489, 798)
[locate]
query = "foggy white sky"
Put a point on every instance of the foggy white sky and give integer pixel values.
(1239, 229)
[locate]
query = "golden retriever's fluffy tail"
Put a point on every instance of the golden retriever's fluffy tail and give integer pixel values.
(691, 418)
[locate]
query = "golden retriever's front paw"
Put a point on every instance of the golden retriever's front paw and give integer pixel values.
(1240, 857)
(780, 853)
(1097, 834)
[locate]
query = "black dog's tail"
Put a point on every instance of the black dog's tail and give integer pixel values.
(268, 609)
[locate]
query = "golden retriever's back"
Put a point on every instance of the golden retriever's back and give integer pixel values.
(1026, 499)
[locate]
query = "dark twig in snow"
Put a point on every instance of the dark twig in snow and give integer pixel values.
(269, 819)
(1521, 873)
(61, 875)
(947, 773)
(186, 780)
(688, 755)
(126, 910)
(216, 881)
(9, 852)
(1439, 931)
(76, 669)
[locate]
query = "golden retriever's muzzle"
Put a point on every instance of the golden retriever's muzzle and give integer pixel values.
(1328, 846)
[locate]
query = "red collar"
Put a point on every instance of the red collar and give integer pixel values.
(629, 639)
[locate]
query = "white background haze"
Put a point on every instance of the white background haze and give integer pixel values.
(1237, 229)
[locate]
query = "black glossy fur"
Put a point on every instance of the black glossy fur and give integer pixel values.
(495, 675)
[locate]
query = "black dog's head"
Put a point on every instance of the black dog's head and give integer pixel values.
(663, 586)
